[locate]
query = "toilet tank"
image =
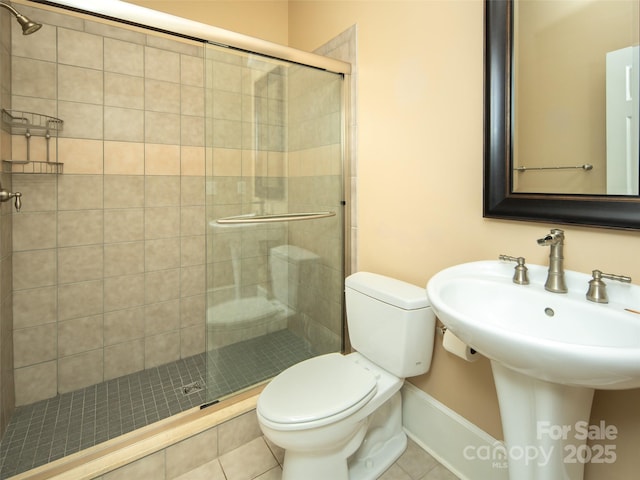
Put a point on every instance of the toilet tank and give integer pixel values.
(291, 266)
(390, 322)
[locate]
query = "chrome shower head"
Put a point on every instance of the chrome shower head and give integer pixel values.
(28, 26)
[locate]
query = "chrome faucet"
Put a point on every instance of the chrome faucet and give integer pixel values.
(555, 278)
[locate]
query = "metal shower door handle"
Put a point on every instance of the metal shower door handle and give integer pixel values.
(280, 217)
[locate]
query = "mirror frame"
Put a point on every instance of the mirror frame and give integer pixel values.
(611, 211)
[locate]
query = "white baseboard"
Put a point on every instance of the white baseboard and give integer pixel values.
(455, 442)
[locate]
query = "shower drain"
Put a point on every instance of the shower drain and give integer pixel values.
(191, 388)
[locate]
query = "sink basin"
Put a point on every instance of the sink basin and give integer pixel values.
(561, 338)
(548, 353)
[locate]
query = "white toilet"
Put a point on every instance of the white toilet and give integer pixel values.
(337, 416)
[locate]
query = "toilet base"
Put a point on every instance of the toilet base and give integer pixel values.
(375, 446)
(383, 444)
(373, 466)
(309, 465)
(336, 467)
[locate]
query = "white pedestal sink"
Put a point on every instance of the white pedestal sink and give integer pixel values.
(548, 353)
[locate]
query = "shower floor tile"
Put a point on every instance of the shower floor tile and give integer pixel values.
(50, 429)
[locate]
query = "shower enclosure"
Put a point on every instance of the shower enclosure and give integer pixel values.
(182, 233)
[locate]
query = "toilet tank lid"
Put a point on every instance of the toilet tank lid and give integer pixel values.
(389, 290)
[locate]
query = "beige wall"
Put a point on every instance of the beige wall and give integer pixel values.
(265, 19)
(420, 180)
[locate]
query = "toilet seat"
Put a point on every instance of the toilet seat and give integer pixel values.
(318, 391)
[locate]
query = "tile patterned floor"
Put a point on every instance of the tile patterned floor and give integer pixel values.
(260, 460)
(53, 428)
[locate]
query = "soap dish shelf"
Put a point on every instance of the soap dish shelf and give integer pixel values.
(38, 124)
(23, 166)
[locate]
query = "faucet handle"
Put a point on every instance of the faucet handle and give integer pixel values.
(6, 195)
(598, 289)
(18, 201)
(520, 275)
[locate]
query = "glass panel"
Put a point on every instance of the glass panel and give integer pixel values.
(274, 289)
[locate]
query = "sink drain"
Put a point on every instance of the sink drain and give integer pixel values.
(549, 312)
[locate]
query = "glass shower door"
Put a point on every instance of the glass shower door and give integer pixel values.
(275, 226)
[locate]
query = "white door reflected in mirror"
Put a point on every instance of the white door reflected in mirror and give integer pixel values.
(622, 121)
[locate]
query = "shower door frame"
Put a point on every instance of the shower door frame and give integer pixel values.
(173, 25)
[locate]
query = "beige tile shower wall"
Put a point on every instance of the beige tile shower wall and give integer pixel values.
(109, 257)
(344, 47)
(6, 314)
(316, 184)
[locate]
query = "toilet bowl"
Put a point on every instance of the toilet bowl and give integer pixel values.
(242, 319)
(337, 416)
(325, 417)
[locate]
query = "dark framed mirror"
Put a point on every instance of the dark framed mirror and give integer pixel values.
(499, 198)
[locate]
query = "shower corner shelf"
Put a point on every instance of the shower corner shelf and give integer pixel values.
(21, 123)
(30, 125)
(21, 166)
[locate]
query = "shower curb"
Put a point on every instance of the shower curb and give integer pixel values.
(121, 451)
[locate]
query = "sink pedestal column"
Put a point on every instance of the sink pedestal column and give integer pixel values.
(539, 422)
